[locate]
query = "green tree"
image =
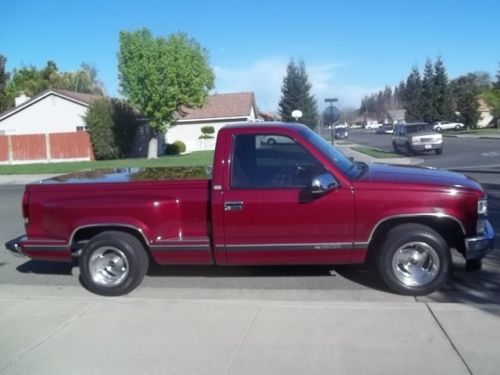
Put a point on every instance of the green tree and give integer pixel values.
(4, 78)
(83, 80)
(159, 76)
(427, 104)
(466, 91)
(296, 95)
(444, 100)
(497, 83)
(411, 95)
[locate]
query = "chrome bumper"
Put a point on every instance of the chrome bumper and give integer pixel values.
(478, 247)
(14, 247)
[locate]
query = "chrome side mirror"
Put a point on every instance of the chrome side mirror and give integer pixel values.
(323, 183)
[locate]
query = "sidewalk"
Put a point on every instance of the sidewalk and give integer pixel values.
(70, 331)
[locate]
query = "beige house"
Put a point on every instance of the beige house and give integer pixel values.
(220, 110)
(486, 118)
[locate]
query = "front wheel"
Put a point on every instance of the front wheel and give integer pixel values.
(414, 260)
(113, 263)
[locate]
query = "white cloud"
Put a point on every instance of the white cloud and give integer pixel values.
(265, 76)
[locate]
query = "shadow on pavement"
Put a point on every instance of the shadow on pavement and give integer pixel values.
(46, 268)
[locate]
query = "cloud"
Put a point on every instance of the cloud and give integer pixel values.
(265, 76)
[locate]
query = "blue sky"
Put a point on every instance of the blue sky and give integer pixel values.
(351, 48)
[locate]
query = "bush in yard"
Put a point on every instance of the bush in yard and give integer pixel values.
(207, 132)
(176, 148)
(181, 145)
(112, 126)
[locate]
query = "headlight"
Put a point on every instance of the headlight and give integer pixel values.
(482, 207)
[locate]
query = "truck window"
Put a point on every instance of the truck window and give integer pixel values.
(271, 161)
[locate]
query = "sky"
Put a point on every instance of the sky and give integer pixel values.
(350, 48)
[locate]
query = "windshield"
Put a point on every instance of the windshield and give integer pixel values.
(419, 128)
(337, 157)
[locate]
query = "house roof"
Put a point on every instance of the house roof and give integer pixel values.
(223, 106)
(76, 97)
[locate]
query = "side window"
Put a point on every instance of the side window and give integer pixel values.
(271, 161)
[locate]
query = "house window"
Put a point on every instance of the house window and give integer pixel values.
(81, 128)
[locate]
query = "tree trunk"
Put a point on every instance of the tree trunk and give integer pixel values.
(153, 147)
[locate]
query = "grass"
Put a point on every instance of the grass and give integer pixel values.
(199, 158)
(376, 153)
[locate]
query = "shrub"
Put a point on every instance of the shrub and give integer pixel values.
(112, 126)
(206, 132)
(176, 148)
(181, 145)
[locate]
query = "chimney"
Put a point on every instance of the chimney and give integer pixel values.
(21, 99)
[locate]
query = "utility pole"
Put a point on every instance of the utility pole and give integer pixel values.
(330, 101)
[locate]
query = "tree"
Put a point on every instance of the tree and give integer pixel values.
(466, 91)
(497, 83)
(83, 80)
(411, 95)
(159, 76)
(427, 104)
(444, 100)
(4, 78)
(296, 94)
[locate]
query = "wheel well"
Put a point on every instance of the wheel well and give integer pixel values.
(81, 236)
(447, 228)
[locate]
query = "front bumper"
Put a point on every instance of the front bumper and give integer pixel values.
(426, 146)
(478, 247)
(14, 247)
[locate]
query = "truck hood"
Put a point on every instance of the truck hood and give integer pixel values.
(387, 173)
(131, 174)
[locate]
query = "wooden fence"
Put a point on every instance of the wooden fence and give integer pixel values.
(44, 148)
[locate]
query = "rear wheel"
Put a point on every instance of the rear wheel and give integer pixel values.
(457, 127)
(414, 260)
(113, 263)
(395, 147)
(408, 150)
(438, 129)
(439, 151)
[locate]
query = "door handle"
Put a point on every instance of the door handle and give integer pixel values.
(233, 206)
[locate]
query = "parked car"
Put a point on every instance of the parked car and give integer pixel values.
(341, 131)
(416, 137)
(306, 203)
(373, 126)
(447, 125)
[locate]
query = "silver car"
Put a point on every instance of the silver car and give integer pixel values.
(418, 137)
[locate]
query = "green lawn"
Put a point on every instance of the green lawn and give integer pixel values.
(376, 153)
(199, 158)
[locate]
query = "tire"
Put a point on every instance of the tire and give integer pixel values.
(438, 129)
(408, 151)
(113, 263)
(439, 151)
(414, 260)
(271, 141)
(395, 147)
(457, 127)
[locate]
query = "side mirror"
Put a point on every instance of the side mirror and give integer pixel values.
(323, 183)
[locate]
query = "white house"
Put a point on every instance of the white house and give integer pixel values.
(485, 115)
(53, 111)
(220, 110)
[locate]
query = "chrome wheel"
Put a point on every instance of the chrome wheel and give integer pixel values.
(416, 264)
(108, 266)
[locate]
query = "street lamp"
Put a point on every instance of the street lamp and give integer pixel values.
(296, 114)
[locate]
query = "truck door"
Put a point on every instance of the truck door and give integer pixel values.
(270, 215)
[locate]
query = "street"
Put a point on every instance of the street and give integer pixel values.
(476, 287)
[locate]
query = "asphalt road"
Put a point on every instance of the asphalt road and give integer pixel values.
(458, 152)
(475, 287)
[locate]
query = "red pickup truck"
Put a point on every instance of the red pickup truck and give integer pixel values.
(296, 200)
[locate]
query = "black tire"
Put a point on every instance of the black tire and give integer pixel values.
(113, 263)
(457, 127)
(438, 129)
(395, 147)
(439, 151)
(414, 260)
(408, 151)
(271, 141)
